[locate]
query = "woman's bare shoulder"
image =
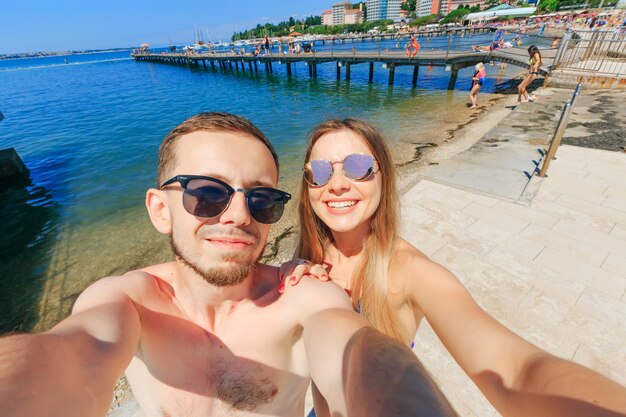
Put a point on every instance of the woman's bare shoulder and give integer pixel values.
(409, 262)
(406, 252)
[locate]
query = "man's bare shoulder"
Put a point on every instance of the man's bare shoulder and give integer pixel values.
(133, 286)
(311, 296)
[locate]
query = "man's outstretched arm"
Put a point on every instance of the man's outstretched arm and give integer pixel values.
(358, 370)
(71, 369)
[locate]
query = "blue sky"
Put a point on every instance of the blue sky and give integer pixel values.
(40, 25)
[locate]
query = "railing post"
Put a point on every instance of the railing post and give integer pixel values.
(556, 140)
(562, 47)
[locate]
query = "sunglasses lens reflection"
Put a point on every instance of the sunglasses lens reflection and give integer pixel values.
(318, 172)
(358, 167)
(205, 198)
(266, 206)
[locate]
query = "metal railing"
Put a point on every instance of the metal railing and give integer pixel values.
(566, 112)
(439, 42)
(599, 52)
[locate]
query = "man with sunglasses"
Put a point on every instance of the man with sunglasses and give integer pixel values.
(209, 333)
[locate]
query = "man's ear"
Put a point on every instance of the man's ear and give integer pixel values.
(159, 212)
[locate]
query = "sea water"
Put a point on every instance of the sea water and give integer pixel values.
(88, 127)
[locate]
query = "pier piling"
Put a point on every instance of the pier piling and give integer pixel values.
(455, 73)
(392, 73)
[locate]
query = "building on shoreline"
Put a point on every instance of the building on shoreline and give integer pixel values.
(383, 9)
(327, 17)
(342, 13)
(424, 8)
(353, 16)
(428, 7)
(339, 12)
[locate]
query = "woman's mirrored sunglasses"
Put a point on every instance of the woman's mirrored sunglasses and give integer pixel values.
(356, 166)
(210, 197)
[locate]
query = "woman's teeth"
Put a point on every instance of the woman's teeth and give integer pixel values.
(341, 204)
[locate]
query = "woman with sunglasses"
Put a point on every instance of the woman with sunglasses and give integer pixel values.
(349, 221)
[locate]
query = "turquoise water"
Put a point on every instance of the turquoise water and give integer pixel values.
(88, 128)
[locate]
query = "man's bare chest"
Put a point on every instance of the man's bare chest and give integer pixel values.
(244, 365)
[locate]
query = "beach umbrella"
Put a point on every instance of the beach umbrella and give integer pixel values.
(144, 45)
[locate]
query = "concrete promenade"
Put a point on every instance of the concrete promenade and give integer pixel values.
(550, 266)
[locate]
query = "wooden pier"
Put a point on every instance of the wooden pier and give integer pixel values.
(452, 60)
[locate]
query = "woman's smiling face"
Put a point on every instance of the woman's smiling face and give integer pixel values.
(344, 205)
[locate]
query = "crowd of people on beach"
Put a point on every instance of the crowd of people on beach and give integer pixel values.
(566, 20)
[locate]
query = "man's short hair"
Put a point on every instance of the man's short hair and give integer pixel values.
(209, 121)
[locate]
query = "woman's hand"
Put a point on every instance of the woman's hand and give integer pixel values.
(291, 272)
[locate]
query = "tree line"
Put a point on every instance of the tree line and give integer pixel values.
(312, 25)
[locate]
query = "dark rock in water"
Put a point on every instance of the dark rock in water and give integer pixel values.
(1, 116)
(11, 166)
(29, 220)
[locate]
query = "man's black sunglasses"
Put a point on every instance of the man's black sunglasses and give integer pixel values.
(210, 197)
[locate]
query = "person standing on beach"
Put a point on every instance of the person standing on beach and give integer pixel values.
(349, 217)
(535, 63)
(477, 82)
(209, 333)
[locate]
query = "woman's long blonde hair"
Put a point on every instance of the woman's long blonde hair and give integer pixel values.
(370, 283)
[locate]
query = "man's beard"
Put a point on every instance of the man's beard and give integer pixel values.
(232, 273)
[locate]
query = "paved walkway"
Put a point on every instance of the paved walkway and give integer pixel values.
(553, 271)
(502, 161)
